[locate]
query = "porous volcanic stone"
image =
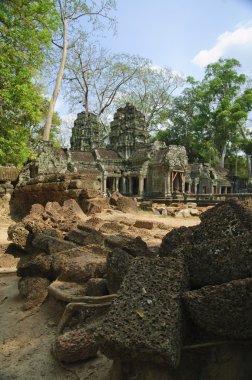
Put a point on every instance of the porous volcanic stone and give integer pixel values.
(223, 309)
(94, 205)
(96, 287)
(144, 224)
(229, 219)
(145, 321)
(35, 265)
(175, 239)
(126, 204)
(34, 289)
(118, 262)
(81, 237)
(75, 345)
(50, 244)
(134, 246)
(18, 234)
(79, 265)
(218, 261)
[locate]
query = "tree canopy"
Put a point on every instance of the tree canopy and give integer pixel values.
(26, 27)
(209, 117)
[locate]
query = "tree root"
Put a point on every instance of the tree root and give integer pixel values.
(77, 306)
(61, 295)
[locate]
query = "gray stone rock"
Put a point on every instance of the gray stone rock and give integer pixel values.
(51, 244)
(34, 289)
(118, 263)
(74, 346)
(224, 309)
(145, 321)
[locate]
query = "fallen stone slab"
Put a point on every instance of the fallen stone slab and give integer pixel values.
(223, 309)
(35, 265)
(144, 224)
(134, 246)
(213, 262)
(74, 346)
(126, 204)
(94, 205)
(118, 263)
(19, 235)
(96, 287)
(81, 237)
(145, 321)
(34, 289)
(79, 265)
(50, 244)
(174, 239)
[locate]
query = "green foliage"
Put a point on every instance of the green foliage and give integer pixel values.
(151, 91)
(25, 34)
(209, 117)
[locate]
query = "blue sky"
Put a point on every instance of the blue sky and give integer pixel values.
(173, 32)
(184, 35)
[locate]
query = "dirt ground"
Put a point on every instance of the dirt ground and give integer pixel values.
(26, 337)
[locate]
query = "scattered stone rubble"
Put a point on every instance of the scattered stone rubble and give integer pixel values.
(216, 257)
(178, 210)
(194, 293)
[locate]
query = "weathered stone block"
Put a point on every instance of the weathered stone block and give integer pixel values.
(80, 264)
(74, 346)
(174, 239)
(145, 321)
(218, 261)
(223, 309)
(35, 265)
(144, 224)
(95, 205)
(81, 237)
(134, 246)
(118, 263)
(125, 204)
(50, 244)
(19, 235)
(34, 289)
(96, 287)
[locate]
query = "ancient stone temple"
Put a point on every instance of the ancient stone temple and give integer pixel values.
(129, 163)
(128, 131)
(86, 133)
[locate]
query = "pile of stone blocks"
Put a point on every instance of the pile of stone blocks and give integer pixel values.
(198, 290)
(53, 242)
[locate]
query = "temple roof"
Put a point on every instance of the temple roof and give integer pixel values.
(107, 154)
(82, 156)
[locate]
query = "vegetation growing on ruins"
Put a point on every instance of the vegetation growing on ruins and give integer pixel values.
(209, 117)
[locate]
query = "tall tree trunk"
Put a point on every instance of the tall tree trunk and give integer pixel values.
(57, 87)
(249, 159)
(223, 155)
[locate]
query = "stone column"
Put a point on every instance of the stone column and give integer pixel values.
(116, 183)
(124, 185)
(183, 182)
(166, 188)
(140, 186)
(130, 186)
(104, 188)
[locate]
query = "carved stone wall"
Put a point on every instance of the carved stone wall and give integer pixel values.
(87, 133)
(128, 131)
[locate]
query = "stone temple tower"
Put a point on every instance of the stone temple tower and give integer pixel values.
(128, 131)
(87, 133)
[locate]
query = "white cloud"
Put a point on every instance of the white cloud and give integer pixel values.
(241, 37)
